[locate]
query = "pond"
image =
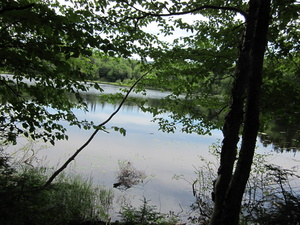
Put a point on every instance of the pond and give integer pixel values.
(161, 156)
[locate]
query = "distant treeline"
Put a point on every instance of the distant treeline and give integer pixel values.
(120, 70)
(112, 69)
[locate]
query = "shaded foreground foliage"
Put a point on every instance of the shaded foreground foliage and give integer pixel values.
(271, 197)
(146, 214)
(272, 194)
(70, 200)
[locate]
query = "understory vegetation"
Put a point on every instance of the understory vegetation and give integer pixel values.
(270, 197)
(70, 200)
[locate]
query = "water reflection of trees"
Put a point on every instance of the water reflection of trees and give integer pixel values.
(281, 134)
(132, 104)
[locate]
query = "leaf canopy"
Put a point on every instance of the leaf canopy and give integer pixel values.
(39, 40)
(46, 45)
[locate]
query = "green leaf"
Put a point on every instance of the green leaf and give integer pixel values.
(120, 130)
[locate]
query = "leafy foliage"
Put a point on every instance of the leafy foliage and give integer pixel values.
(39, 39)
(56, 43)
(70, 199)
(45, 46)
(115, 69)
(145, 214)
(200, 66)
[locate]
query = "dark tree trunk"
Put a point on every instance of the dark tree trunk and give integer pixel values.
(229, 186)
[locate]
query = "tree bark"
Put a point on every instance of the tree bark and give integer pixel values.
(229, 187)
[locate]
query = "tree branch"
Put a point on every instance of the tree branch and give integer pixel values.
(206, 7)
(9, 87)
(10, 8)
(146, 14)
(64, 166)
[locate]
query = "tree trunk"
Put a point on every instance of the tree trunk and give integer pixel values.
(229, 187)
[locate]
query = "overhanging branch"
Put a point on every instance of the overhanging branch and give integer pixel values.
(11, 8)
(64, 166)
(197, 9)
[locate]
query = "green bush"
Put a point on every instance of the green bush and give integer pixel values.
(145, 215)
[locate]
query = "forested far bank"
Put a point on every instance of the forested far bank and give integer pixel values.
(124, 71)
(108, 69)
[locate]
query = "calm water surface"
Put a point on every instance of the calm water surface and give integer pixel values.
(160, 155)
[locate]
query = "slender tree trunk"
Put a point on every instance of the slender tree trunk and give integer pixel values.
(229, 187)
(232, 204)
